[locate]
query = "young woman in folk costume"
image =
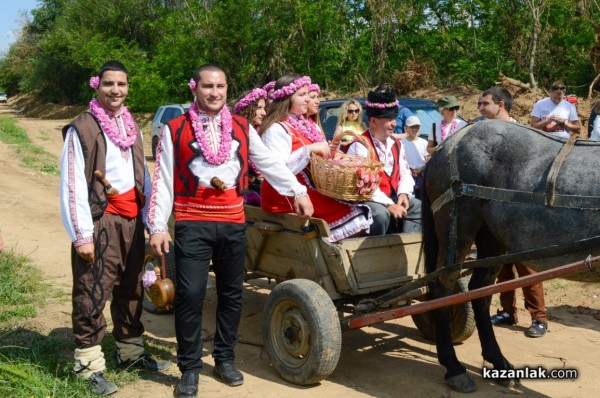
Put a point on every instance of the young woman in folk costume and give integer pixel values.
(251, 105)
(290, 137)
(312, 112)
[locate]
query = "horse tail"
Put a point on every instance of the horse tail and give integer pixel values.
(430, 241)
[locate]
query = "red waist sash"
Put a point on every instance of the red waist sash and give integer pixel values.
(210, 205)
(125, 204)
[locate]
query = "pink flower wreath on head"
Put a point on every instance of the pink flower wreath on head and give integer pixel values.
(94, 82)
(249, 99)
(269, 86)
(380, 105)
(291, 88)
(314, 87)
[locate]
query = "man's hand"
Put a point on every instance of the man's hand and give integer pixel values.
(159, 244)
(403, 201)
(86, 252)
(396, 211)
(304, 207)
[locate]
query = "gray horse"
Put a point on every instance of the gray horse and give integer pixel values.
(507, 188)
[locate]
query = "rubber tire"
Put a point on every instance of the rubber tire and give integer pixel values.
(149, 263)
(301, 307)
(462, 323)
(154, 145)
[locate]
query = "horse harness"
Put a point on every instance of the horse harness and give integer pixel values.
(548, 198)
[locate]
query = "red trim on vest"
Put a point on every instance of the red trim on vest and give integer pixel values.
(185, 182)
(388, 182)
(210, 205)
(124, 205)
(193, 202)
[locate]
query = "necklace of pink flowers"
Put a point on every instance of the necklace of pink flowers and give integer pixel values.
(447, 132)
(222, 154)
(103, 116)
(304, 127)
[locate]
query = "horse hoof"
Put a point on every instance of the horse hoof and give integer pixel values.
(461, 383)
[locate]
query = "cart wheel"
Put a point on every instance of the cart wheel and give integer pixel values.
(150, 261)
(301, 330)
(462, 317)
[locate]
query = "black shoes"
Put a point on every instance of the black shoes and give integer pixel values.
(537, 329)
(503, 318)
(228, 374)
(145, 362)
(188, 386)
(100, 386)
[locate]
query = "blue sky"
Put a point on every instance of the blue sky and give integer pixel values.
(9, 19)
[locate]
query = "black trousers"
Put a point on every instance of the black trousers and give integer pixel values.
(196, 244)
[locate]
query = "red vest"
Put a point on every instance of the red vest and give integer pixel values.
(389, 183)
(228, 204)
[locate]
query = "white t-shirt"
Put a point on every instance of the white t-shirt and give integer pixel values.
(564, 110)
(416, 151)
(595, 135)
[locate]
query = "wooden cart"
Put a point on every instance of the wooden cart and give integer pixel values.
(320, 285)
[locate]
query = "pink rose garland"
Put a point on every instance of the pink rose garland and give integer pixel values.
(222, 155)
(249, 99)
(305, 127)
(291, 88)
(103, 116)
(380, 105)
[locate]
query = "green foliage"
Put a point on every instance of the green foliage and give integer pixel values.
(342, 44)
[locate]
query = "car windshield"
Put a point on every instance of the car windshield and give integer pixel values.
(425, 110)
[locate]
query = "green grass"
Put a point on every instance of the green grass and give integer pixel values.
(32, 156)
(21, 288)
(37, 363)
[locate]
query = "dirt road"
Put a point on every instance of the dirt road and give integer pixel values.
(389, 360)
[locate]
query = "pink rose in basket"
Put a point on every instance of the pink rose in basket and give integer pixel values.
(363, 191)
(360, 183)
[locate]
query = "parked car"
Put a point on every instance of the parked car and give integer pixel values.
(3, 98)
(162, 116)
(425, 109)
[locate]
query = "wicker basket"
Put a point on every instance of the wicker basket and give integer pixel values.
(345, 177)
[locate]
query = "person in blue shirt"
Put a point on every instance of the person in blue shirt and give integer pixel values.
(403, 114)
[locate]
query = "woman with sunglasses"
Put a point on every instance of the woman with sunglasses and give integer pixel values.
(350, 118)
(449, 124)
(554, 114)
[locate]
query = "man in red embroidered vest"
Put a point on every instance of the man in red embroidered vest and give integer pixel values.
(106, 227)
(393, 205)
(201, 173)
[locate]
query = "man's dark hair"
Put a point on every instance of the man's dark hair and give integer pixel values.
(499, 93)
(206, 67)
(114, 66)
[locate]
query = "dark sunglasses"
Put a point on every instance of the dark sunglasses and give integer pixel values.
(556, 88)
(454, 108)
(353, 110)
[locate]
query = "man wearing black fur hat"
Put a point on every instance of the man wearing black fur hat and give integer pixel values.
(393, 205)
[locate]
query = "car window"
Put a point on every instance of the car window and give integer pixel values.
(170, 113)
